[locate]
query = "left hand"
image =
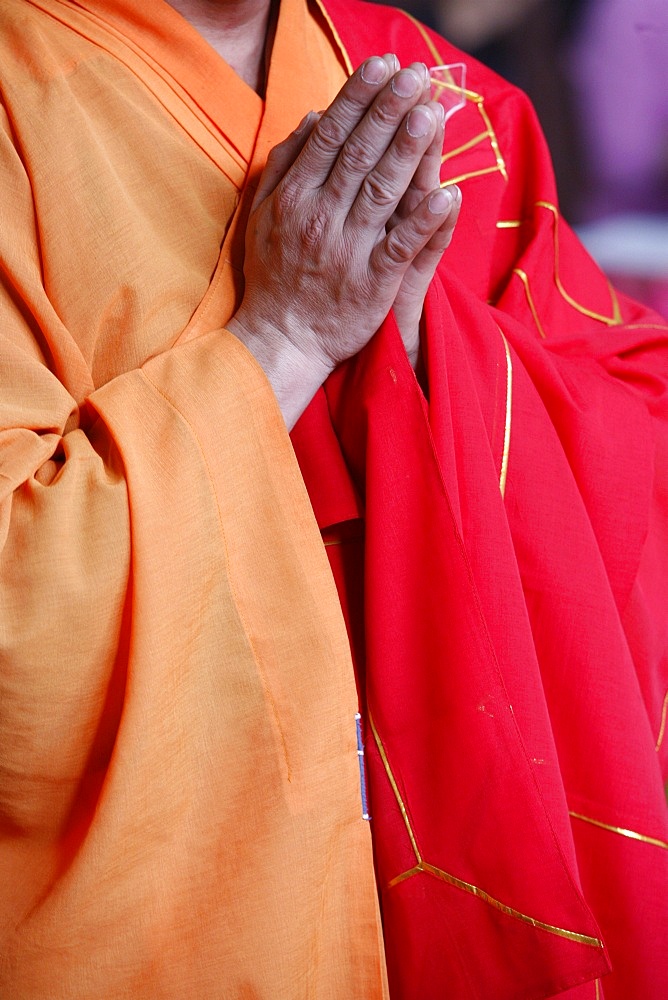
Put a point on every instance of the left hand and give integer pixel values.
(411, 295)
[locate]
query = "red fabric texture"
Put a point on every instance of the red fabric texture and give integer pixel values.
(512, 650)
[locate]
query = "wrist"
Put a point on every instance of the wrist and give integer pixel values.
(294, 376)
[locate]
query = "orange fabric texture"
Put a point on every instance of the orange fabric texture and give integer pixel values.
(179, 790)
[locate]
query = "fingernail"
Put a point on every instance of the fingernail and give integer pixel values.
(418, 122)
(440, 202)
(404, 84)
(303, 123)
(455, 191)
(374, 70)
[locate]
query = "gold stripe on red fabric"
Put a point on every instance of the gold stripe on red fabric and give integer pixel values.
(424, 867)
(509, 412)
(479, 101)
(616, 318)
(395, 789)
(524, 278)
(337, 38)
(631, 834)
(463, 148)
(662, 727)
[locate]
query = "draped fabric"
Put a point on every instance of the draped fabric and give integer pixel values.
(179, 794)
(511, 635)
(179, 787)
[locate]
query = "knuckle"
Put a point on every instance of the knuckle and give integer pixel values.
(307, 221)
(407, 148)
(314, 228)
(377, 190)
(355, 156)
(384, 116)
(287, 197)
(398, 249)
(328, 135)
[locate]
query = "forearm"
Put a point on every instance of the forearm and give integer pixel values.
(293, 376)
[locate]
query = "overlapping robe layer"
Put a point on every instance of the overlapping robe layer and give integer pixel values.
(179, 793)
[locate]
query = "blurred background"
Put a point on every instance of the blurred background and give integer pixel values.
(597, 73)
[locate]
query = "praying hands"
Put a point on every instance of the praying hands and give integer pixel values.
(348, 222)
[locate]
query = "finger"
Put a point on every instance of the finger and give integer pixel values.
(371, 139)
(385, 185)
(429, 225)
(282, 156)
(341, 119)
(426, 261)
(428, 173)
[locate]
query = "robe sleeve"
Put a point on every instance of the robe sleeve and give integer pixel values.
(64, 542)
(177, 735)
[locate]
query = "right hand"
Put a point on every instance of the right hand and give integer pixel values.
(321, 270)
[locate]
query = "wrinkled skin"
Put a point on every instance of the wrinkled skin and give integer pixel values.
(347, 223)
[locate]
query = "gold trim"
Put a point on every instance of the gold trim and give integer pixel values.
(342, 541)
(439, 85)
(337, 37)
(395, 789)
(428, 869)
(406, 875)
(631, 834)
(616, 318)
(509, 412)
(479, 102)
(646, 326)
(438, 58)
(662, 728)
(467, 177)
(467, 145)
(522, 275)
(470, 95)
(500, 162)
(597, 984)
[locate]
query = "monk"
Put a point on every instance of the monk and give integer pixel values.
(376, 707)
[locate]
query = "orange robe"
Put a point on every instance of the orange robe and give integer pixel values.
(179, 790)
(178, 779)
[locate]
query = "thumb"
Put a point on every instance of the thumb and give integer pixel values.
(281, 158)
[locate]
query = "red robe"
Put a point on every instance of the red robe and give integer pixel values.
(511, 629)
